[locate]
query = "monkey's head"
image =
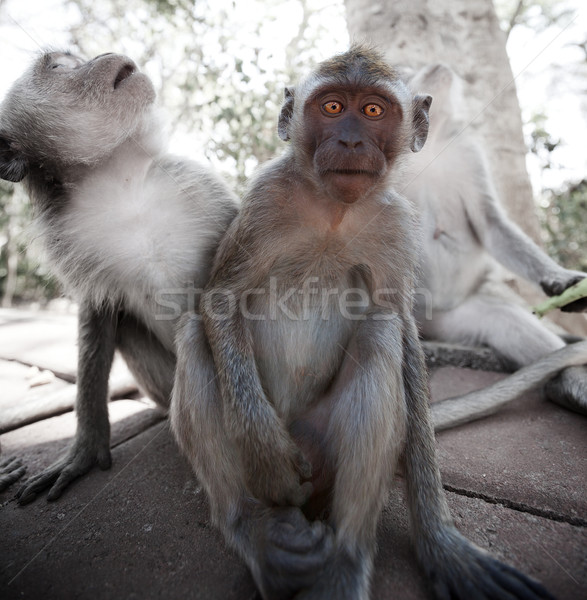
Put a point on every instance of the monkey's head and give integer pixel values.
(350, 120)
(445, 85)
(66, 111)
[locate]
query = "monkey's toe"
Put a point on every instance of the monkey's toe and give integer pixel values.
(11, 470)
(569, 389)
(60, 474)
(466, 571)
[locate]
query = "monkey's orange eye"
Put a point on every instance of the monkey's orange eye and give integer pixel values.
(373, 110)
(332, 107)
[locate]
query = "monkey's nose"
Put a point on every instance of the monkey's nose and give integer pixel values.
(350, 143)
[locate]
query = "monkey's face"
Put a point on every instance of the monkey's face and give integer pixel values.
(353, 137)
(65, 110)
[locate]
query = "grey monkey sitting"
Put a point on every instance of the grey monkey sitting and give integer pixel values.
(123, 224)
(466, 232)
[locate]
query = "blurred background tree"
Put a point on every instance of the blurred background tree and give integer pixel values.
(220, 68)
(562, 205)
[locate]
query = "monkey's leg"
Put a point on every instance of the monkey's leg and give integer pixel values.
(283, 550)
(515, 335)
(152, 365)
(457, 569)
(91, 445)
(365, 436)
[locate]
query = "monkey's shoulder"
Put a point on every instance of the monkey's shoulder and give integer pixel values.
(200, 188)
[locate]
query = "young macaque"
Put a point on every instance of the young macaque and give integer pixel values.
(303, 381)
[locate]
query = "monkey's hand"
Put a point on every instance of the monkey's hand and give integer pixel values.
(11, 470)
(556, 284)
(81, 457)
(459, 570)
(275, 468)
(290, 552)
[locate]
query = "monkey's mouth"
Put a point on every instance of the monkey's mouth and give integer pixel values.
(124, 73)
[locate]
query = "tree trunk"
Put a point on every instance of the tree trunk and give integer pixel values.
(464, 34)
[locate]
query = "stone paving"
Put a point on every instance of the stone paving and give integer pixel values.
(516, 484)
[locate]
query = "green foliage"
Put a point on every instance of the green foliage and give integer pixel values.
(219, 67)
(220, 84)
(562, 213)
(536, 15)
(564, 219)
(22, 277)
(541, 142)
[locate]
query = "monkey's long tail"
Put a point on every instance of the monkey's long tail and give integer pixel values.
(475, 405)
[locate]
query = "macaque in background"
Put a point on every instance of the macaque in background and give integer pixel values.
(465, 231)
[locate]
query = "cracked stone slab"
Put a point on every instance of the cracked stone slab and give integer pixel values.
(44, 339)
(552, 552)
(40, 444)
(48, 341)
(142, 530)
(532, 453)
(22, 394)
(25, 400)
(440, 354)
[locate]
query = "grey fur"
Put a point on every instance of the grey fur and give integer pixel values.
(465, 232)
(124, 225)
(275, 395)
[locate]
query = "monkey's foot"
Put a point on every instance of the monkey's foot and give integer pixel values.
(78, 461)
(290, 552)
(459, 570)
(569, 389)
(11, 470)
(343, 578)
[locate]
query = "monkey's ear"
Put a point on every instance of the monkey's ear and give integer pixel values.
(286, 114)
(13, 166)
(421, 106)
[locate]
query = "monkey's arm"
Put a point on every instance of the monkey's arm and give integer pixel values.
(458, 569)
(272, 462)
(91, 445)
(506, 242)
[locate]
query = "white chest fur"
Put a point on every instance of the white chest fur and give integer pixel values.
(136, 239)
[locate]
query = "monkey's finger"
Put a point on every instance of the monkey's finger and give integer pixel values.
(301, 494)
(7, 479)
(28, 492)
(299, 536)
(70, 473)
(519, 584)
(576, 306)
(290, 515)
(10, 463)
(490, 579)
(303, 564)
(303, 465)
